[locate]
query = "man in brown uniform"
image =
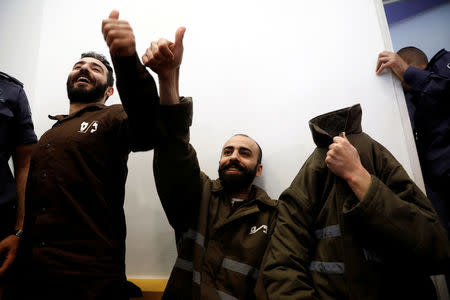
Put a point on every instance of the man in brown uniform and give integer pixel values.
(75, 229)
(222, 226)
(353, 225)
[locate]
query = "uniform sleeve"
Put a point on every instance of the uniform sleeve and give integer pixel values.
(175, 167)
(429, 83)
(286, 262)
(24, 125)
(139, 96)
(400, 218)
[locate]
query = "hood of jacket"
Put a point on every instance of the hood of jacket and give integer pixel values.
(329, 125)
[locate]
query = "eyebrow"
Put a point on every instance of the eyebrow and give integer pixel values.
(240, 148)
(82, 62)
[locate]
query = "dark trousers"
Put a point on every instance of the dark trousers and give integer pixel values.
(7, 222)
(67, 288)
(438, 191)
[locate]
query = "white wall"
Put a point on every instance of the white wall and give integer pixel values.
(20, 33)
(428, 31)
(258, 67)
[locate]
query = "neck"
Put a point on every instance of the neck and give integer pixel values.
(77, 106)
(244, 194)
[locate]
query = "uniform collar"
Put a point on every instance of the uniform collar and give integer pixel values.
(329, 125)
(90, 107)
(436, 57)
(256, 193)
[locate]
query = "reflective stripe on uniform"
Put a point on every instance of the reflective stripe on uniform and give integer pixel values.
(327, 267)
(225, 296)
(238, 267)
(188, 266)
(184, 264)
(196, 277)
(328, 232)
(196, 236)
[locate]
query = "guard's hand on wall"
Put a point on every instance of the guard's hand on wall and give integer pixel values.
(387, 59)
(164, 57)
(118, 35)
(8, 252)
(343, 160)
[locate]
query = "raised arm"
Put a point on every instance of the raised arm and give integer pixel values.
(428, 82)
(136, 87)
(418, 79)
(164, 58)
(390, 208)
(177, 173)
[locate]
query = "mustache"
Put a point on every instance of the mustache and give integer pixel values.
(235, 165)
(82, 73)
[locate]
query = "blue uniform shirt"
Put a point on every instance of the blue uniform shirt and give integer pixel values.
(430, 96)
(16, 128)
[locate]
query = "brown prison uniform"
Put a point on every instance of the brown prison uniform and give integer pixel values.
(75, 194)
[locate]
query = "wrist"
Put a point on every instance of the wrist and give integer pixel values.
(18, 233)
(359, 181)
(169, 77)
(168, 88)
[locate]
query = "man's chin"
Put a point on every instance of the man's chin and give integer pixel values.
(235, 182)
(84, 95)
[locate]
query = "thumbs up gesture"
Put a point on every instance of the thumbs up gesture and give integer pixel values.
(164, 57)
(118, 35)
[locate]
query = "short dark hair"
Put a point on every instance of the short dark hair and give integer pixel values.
(104, 61)
(413, 55)
(259, 147)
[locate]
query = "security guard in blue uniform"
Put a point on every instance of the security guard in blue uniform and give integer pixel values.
(16, 139)
(427, 92)
(427, 88)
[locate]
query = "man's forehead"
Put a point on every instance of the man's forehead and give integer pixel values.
(91, 60)
(239, 141)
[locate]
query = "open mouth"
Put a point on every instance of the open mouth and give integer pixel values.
(234, 168)
(82, 79)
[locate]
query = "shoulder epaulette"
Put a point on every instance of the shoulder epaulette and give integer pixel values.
(10, 78)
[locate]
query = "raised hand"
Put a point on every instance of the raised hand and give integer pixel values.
(164, 57)
(118, 35)
(387, 59)
(343, 160)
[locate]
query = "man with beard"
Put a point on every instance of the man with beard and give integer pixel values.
(75, 225)
(221, 226)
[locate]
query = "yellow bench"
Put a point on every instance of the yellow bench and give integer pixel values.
(152, 289)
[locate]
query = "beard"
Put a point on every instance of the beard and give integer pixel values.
(237, 182)
(84, 95)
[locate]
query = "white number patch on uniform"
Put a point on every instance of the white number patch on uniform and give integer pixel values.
(85, 126)
(254, 229)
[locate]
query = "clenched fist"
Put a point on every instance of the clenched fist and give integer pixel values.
(343, 160)
(118, 35)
